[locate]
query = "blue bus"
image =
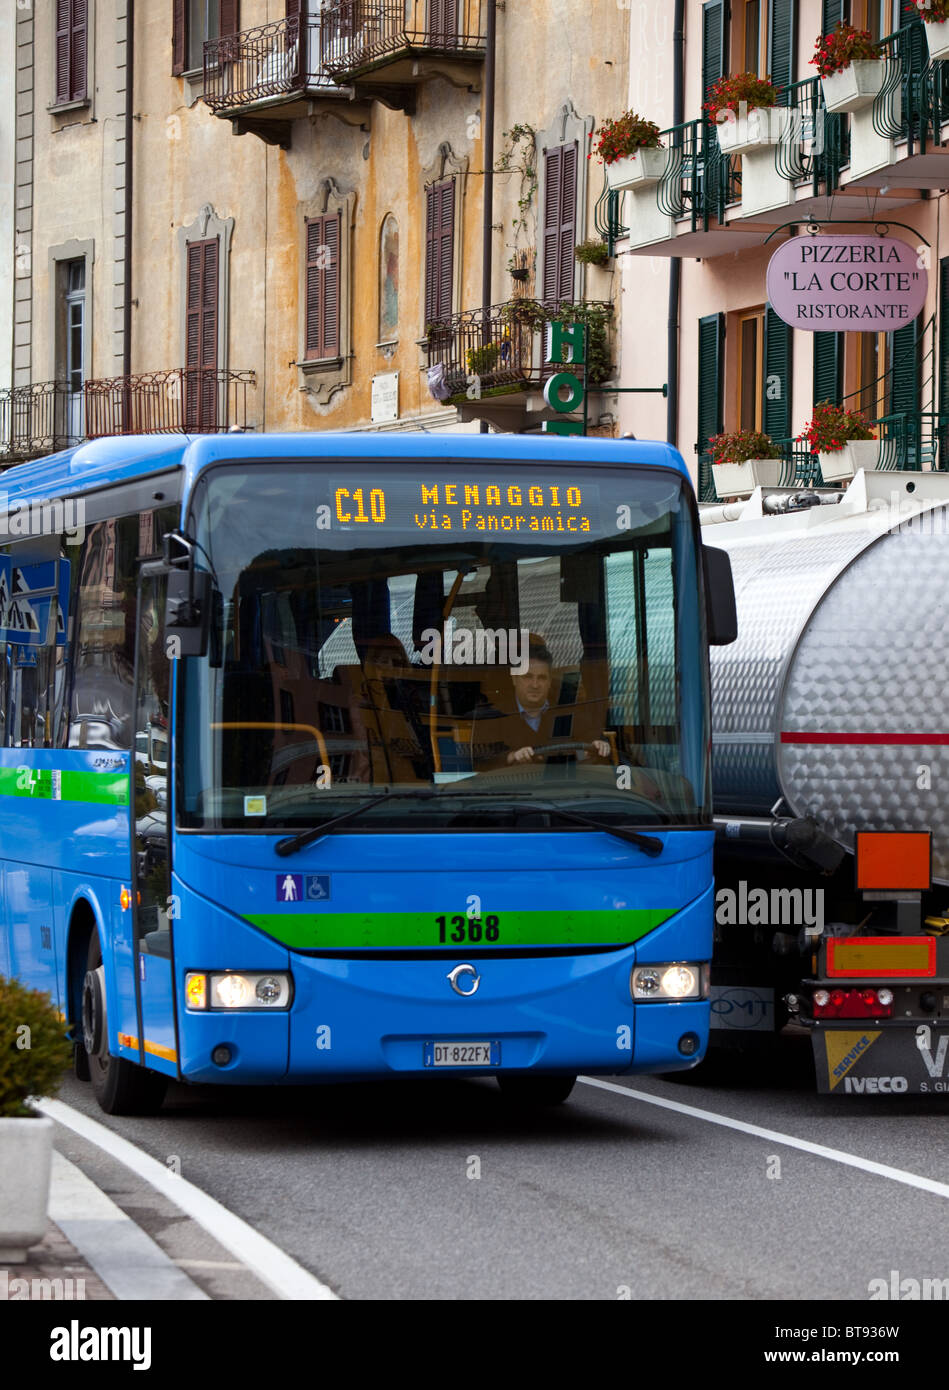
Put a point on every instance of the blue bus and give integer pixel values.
(339, 756)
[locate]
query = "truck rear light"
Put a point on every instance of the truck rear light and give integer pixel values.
(852, 1003)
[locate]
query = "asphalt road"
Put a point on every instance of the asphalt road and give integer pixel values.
(443, 1191)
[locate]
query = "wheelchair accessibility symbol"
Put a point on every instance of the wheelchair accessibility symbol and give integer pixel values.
(317, 888)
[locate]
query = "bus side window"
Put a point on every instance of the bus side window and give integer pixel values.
(102, 699)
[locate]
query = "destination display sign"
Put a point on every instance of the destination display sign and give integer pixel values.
(499, 502)
(846, 283)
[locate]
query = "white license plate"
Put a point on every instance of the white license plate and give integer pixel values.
(461, 1054)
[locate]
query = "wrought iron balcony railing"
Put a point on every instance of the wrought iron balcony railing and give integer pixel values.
(816, 143)
(262, 64)
(360, 34)
(500, 350)
(46, 416)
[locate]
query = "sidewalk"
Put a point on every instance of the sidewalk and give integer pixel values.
(54, 1270)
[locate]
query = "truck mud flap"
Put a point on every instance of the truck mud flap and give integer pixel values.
(881, 1061)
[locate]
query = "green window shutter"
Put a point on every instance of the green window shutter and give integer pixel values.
(713, 44)
(827, 365)
(776, 407)
(904, 378)
(711, 344)
(832, 13)
(782, 39)
(944, 362)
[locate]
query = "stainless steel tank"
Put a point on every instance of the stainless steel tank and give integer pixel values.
(835, 697)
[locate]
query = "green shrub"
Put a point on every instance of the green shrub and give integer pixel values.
(34, 1050)
(592, 252)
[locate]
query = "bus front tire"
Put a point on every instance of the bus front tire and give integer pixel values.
(536, 1090)
(121, 1087)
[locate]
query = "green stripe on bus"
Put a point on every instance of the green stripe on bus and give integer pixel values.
(39, 784)
(335, 931)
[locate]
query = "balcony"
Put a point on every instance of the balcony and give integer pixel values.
(493, 360)
(264, 79)
(44, 417)
(387, 48)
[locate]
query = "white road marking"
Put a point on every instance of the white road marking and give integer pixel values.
(127, 1260)
(271, 1264)
(867, 1165)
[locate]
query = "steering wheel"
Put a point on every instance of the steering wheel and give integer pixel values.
(577, 749)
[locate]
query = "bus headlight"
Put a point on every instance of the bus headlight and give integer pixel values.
(677, 980)
(238, 990)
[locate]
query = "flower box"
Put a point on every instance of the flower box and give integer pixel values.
(638, 170)
(26, 1155)
(741, 479)
(847, 462)
(937, 36)
(854, 87)
(742, 134)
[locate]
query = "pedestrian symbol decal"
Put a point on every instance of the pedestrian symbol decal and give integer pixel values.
(289, 888)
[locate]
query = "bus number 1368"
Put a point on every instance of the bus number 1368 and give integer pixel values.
(468, 929)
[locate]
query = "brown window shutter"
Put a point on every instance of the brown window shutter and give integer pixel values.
(431, 242)
(553, 163)
(314, 288)
(78, 50)
(201, 334)
(442, 22)
(568, 221)
(179, 35)
(63, 36)
(446, 248)
(331, 238)
(293, 9)
(323, 234)
(230, 19)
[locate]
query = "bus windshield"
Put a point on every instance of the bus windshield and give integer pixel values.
(485, 645)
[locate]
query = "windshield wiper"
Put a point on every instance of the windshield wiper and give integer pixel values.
(650, 844)
(307, 837)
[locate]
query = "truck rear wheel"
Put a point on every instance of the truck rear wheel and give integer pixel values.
(121, 1087)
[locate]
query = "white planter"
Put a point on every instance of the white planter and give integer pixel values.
(739, 134)
(637, 170)
(26, 1150)
(741, 479)
(847, 462)
(937, 36)
(764, 186)
(854, 87)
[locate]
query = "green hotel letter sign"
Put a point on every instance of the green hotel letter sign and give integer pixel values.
(565, 392)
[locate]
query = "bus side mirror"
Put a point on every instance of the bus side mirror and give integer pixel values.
(188, 600)
(721, 614)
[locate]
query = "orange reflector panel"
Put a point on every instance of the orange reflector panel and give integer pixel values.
(196, 991)
(125, 898)
(881, 957)
(893, 863)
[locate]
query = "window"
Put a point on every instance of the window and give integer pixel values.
(750, 369)
(74, 346)
(195, 22)
(872, 361)
(201, 335)
(755, 37)
(34, 589)
(322, 286)
(72, 49)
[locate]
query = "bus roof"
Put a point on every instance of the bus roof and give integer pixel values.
(100, 462)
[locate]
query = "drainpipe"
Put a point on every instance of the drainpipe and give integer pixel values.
(487, 147)
(675, 267)
(127, 222)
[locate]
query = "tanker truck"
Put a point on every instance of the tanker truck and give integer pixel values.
(831, 780)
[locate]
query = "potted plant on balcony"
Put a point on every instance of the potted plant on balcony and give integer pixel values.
(736, 106)
(842, 440)
(743, 461)
(632, 151)
(34, 1054)
(851, 68)
(480, 361)
(935, 14)
(593, 251)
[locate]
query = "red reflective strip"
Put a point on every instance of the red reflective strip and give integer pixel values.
(914, 740)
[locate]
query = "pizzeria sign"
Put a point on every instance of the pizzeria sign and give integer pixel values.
(846, 283)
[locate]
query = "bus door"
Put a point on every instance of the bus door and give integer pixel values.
(152, 901)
